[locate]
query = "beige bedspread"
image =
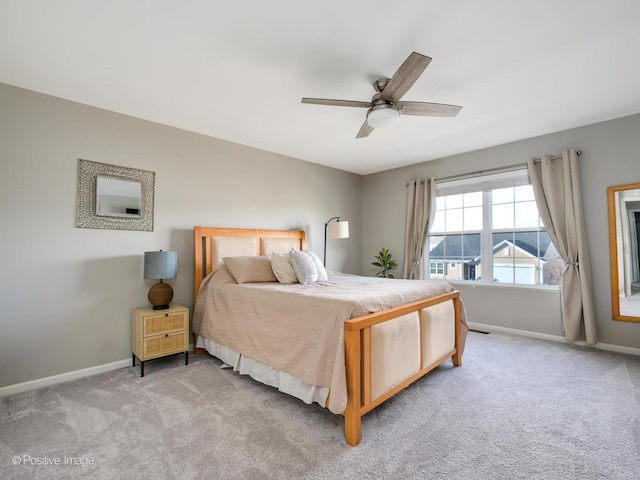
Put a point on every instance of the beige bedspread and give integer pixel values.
(296, 328)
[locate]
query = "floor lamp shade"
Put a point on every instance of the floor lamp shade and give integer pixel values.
(159, 266)
(338, 230)
(333, 230)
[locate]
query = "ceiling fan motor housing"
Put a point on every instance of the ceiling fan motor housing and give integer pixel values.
(379, 84)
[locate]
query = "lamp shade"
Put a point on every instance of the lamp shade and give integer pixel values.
(160, 265)
(338, 229)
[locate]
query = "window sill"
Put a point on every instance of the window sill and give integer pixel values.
(474, 284)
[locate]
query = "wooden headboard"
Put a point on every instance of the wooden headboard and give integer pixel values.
(210, 244)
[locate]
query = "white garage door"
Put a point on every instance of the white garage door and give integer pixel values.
(508, 273)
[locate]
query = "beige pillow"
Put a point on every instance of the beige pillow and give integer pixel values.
(282, 268)
(250, 269)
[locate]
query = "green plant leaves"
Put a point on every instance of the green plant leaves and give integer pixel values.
(385, 263)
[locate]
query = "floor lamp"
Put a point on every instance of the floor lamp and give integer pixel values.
(336, 229)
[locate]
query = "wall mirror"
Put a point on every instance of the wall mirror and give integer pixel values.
(118, 198)
(624, 247)
(114, 197)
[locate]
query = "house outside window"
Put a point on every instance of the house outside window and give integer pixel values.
(488, 229)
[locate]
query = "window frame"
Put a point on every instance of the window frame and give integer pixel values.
(485, 184)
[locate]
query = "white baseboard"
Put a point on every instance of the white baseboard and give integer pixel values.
(618, 348)
(524, 333)
(553, 338)
(65, 377)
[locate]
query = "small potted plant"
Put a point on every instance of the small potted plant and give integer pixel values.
(385, 263)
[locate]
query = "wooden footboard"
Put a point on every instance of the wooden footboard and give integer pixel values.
(357, 338)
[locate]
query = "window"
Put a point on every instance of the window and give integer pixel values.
(436, 269)
(488, 229)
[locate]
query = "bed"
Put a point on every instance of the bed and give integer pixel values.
(345, 342)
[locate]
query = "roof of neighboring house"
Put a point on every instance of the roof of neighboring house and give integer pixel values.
(467, 247)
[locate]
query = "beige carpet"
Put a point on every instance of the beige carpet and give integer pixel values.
(518, 409)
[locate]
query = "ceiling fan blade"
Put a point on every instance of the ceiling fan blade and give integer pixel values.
(336, 103)
(405, 77)
(365, 130)
(427, 109)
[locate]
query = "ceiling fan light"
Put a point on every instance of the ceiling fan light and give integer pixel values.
(383, 117)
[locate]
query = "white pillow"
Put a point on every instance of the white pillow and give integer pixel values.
(304, 266)
(322, 272)
(282, 268)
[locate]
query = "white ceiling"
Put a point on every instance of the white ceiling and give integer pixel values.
(237, 70)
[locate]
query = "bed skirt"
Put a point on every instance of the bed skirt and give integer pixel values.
(283, 381)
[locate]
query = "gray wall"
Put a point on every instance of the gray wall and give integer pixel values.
(67, 293)
(610, 156)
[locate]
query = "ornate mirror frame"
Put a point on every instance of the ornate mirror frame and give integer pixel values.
(616, 248)
(87, 217)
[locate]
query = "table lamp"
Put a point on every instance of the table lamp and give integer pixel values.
(158, 266)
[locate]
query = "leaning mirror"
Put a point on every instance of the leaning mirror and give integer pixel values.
(624, 247)
(114, 197)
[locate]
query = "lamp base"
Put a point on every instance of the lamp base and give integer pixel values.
(160, 295)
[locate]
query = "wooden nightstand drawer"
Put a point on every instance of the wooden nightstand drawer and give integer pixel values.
(160, 345)
(158, 333)
(165, 323)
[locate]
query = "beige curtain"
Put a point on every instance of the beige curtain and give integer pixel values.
(556, 185)
(421, 204)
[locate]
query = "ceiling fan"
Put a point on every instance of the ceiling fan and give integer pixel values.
(385, 106)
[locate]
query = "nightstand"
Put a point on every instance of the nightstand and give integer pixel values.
(159, 333)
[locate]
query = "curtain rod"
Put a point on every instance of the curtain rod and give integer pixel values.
(479, 173)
